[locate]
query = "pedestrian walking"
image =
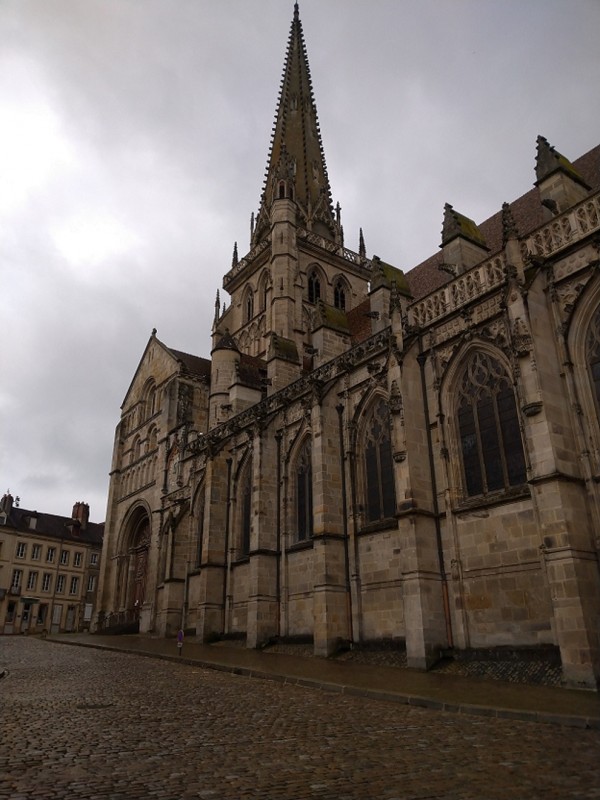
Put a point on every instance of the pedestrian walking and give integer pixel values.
(179, 641)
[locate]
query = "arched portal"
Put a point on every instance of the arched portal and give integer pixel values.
(134, 560)
(139, 560)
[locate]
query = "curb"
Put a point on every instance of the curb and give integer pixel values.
(545, 717)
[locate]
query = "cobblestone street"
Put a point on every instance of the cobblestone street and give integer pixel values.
(82, 723)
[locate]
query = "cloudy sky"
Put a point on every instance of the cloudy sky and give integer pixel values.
(133, 142)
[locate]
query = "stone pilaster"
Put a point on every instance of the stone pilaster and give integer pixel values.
(331, 598)
(262, 588)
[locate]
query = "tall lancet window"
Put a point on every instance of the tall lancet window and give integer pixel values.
(339, 295)
(304, 494)
(378, 463)
(488, 425)
(248, 306)
(314, 287)
(245, 509)
(592, 348)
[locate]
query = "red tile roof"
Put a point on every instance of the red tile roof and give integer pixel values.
(528, 215)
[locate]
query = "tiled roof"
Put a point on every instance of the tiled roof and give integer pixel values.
(195, 365)
(528, 215)
(252, 371)
(359, 323)
(55, 527)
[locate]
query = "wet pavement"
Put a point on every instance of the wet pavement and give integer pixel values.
(427, 689)
(81, 722)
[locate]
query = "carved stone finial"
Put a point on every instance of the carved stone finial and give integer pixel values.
(456, 224)
(362, 251)
(509, 226)
(234, 258)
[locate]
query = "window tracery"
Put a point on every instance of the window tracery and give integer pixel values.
(488, 426)
(314, 287)
(592, 356)
(339, 295)
(378, 465)
(304, 494)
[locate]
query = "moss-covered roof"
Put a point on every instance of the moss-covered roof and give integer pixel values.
(331, 317)
(384, 274)
(280, 347)
(456, 224)
(549, 160)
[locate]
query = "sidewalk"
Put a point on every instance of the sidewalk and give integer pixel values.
(426, 689)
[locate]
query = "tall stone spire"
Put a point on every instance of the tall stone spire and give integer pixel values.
(296, 167)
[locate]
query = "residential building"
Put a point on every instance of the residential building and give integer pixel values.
(49, 568)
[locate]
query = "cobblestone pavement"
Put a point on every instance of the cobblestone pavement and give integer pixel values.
(82, 723)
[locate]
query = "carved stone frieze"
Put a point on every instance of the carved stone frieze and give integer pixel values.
(566, 295)
(495, 332)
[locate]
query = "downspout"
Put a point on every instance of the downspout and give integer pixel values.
(422, 358)
(340, 411)
(226, 553)
(278, 437)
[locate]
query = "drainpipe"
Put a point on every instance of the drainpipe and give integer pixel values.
(340, 411)
(422, 358)
(226, 553)
(278, 437)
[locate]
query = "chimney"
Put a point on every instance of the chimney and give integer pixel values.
(81, 513)
(6, 503)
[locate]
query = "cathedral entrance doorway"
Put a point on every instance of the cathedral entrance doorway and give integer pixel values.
(138, 566)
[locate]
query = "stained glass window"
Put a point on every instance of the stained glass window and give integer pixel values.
(488, 425)
(379, 473)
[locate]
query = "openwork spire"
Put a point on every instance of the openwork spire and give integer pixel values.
(296, 167)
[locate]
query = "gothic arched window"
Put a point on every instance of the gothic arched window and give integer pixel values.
(304, 495)
(199, 529)
(379, 473)
(488, 427)
(592, 356)
(245, 510)
(339, 295)
(248, 306)
(314, 287)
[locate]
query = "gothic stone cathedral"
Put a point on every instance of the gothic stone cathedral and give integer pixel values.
(370, 455)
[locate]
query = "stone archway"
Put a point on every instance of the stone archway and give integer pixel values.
(138, 564)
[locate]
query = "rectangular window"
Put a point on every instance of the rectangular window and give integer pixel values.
(91, 583)
(32, 580)
(77, 559)
(17, 577)
(94, 559)
(36, 552)
(50, 554)
(74, 586)
(46, 582)
(21, 549)
(64, 557)
(60, 584)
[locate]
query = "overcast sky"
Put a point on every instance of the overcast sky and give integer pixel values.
(133, 143)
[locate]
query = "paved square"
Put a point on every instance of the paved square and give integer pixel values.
(82, 723)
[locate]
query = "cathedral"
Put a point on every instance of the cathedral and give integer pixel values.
(371, 455)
